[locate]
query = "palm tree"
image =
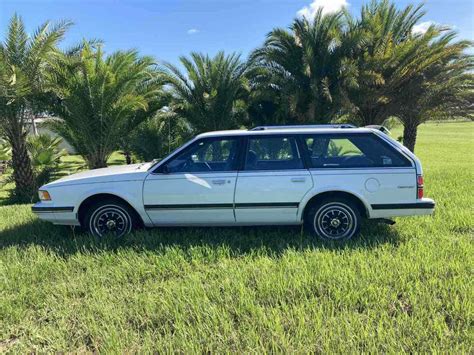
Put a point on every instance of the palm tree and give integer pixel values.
(23, 62)
(211, 95)
(99, 101)
(157, 137)
(379, 53)
(404, 74)
(303, 69)
(436, 83)
(45, 153)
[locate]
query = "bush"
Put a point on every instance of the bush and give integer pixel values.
(45, 153)
(155, 138)
(5, 151)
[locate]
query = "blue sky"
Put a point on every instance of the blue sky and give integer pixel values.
(167, 28)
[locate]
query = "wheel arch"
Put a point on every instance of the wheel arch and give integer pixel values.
(360, 203)
(90, 200)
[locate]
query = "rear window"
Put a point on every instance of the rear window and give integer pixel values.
(351, 151)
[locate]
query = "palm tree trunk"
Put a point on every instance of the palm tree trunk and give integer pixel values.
(96, 162)
(128, 157)
(410, 130)
(22, 170)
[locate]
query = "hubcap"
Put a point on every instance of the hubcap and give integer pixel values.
(111, 224)
(110, 219)
(334, 221)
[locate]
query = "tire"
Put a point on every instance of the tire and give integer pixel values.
(109, 217)
(334, 219)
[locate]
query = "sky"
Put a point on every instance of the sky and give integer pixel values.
(167, 29)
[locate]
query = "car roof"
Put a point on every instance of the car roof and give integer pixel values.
(279, 131)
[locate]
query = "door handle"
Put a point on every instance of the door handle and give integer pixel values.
(298, 179)
(218, 182)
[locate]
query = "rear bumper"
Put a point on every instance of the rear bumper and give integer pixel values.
(422, 207)
(55, 214)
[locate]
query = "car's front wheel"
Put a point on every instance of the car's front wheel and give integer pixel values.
(334, 219)
(109, 217)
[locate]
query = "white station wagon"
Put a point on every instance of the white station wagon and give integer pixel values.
(328, 177)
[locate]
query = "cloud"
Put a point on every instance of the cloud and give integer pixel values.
(328, 6)
(422, 27)
(193, 31)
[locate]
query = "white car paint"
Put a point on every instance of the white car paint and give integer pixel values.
(235, 196)
(185, 189)
(279, 187)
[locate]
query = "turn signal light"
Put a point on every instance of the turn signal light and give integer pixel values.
(44, 195)
(419, 187)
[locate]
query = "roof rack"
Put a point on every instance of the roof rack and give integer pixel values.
(321, 126)
(382, 129)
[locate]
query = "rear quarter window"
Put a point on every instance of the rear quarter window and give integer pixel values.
(351, 151)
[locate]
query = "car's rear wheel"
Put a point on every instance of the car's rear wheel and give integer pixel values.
(109, 217)
(334, 219)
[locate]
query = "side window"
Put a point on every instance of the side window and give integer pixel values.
(342, 147)
(206, 156)
(272, 153)
(352, 151)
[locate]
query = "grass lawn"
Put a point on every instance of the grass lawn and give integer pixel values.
(408, 287)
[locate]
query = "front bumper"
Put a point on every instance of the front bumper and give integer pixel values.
(55, 214)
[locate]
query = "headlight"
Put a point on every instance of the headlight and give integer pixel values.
(44, 195)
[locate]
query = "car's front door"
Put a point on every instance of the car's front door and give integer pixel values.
(195, 187)
(272, 182)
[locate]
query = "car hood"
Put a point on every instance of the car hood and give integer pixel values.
(110, 174)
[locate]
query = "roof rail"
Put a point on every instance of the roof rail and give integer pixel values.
(321, 126)
(382, 129)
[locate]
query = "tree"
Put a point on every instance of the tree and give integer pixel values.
(438, 83)
(302, 70)
(101, 100)
(379, 53)
(157, 137)
(211, 95)
(23, 63)
(413, 76)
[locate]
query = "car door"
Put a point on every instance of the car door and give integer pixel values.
(195, 187)
(272, 182)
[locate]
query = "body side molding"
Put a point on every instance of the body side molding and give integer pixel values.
(401, 206)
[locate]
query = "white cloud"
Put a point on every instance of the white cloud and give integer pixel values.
(422, 27)
(328, 6)
(193, 31)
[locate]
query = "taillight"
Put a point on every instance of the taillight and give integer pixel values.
(419, 187)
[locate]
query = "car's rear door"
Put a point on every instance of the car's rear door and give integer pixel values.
(272, 181)
(196, 187)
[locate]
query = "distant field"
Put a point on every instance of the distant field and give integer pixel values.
(408, 287)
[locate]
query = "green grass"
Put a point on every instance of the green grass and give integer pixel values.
(408, 287)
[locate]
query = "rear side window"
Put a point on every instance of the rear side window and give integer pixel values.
(273, 153)
(351, 151)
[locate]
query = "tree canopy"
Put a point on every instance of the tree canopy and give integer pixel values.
(211, 95)
(100, 100)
